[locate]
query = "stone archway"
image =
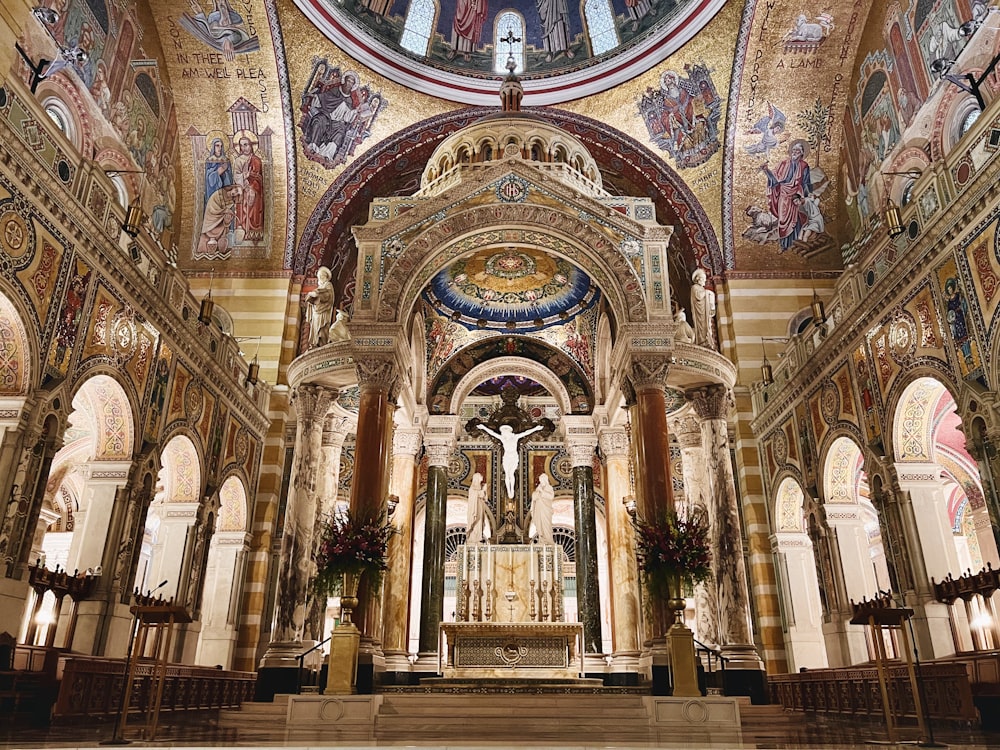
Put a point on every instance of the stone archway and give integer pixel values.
(798, 582)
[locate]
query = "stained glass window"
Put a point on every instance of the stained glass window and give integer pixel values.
(600, 26)
(418, 26)
(509, 25)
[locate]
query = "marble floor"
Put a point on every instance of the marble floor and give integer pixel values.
(204, 730)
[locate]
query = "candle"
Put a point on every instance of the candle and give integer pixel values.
(531, 562)
(464, 565)
(545, 570)
(475, 563)
(489, 562)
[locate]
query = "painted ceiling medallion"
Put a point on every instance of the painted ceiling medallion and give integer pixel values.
(458, 49)
(508, 286)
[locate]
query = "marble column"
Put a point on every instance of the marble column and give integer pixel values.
(624, 574)
(845, 643)
(311, 403)
(712, 404)
(176, 522)
(223, 587)
(379, 384)
(653, 488)
(687, 428)
(432, 581)
(335, 430)
(982, 447)
(395, 634)
(588, 594)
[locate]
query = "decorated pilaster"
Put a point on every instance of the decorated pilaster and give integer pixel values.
(102, 482)
(687, 429)
(623, 573)
(311, 404)
(712, 404)
(581, 444)
(439, 444)
(846, 644)
(406, 444)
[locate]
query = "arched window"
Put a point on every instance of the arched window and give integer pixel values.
(59, 113)
(600, 26)
(419, 25)
(509, 25)
(968, 120)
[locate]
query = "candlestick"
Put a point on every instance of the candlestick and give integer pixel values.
(489, 561)
(531, 561)
(475, 563)
(464, 563)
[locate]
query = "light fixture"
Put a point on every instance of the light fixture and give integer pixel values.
(207, 303)
(818, 309)
(391, 503)
(968, 82)
(45, 16)
(766, 373)
(253, 370)
(891, 215)
(133, 214)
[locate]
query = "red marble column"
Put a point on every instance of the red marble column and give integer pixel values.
(379, 385)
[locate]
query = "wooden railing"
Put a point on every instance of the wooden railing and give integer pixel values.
(855, 691)
(92, 686)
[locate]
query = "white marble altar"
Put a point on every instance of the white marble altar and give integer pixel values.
(509, 583)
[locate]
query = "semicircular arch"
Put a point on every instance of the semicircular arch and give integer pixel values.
(550, 230)
(108, 401)
(842, 468)
(505, 366)
(789, 506)
(181, 474)
(17, 349)
(233, 510)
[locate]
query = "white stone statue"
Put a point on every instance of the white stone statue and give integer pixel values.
(508, 439)
(339, 331)
(320, 302)
(683, 332)
(702, 310)
(475, 518)
(541, 510)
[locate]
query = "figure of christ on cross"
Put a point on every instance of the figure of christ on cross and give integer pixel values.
(508, 441)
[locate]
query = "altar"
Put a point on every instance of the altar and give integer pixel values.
(510, 616)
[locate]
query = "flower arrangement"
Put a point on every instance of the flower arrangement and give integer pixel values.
(673, 546)
(350, 545)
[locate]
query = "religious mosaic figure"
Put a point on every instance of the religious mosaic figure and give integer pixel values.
(249, 175)
(791, 181)
(220, 210)
(541, 510)
(218, 169)
(702, 310)
(320, 301)
(508, 440)
(467, 28)
(222, 29)
(553, 16)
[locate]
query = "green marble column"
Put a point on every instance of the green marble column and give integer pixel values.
(432, 583)
(588, 594)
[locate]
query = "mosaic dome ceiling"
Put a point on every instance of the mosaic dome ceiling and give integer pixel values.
(457, 49)
(508, 288)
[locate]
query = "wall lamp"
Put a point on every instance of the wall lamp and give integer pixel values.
(133, 214)
(207, 303)
(766, 371)
(630, 506)
(968, 82)
(892, 217)
(253, 371)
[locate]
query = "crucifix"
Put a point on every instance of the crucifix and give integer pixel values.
(508, 424)
(510, 40)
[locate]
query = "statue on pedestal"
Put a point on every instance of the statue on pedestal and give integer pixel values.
(478, 513)
(320, 301)
(702, 310)
(541, 510)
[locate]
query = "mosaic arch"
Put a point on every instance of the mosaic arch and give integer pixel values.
(232, 505)
(503, 366)
(922, 400)
(395, 165)
(15, 360)
(454, 49)
(844, 479)
(114, 430)
(181, 473)
(788, 507)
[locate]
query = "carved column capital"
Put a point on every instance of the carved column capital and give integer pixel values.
(336, 429)
(614, 442)
(439, 454)
(406, 442)
(581, 453)
(711, 401)
(648, 371)
(687, 430)
(311, 402)
(379, 373)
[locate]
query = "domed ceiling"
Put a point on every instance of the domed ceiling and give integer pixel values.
(506, 288)
(457, 49)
